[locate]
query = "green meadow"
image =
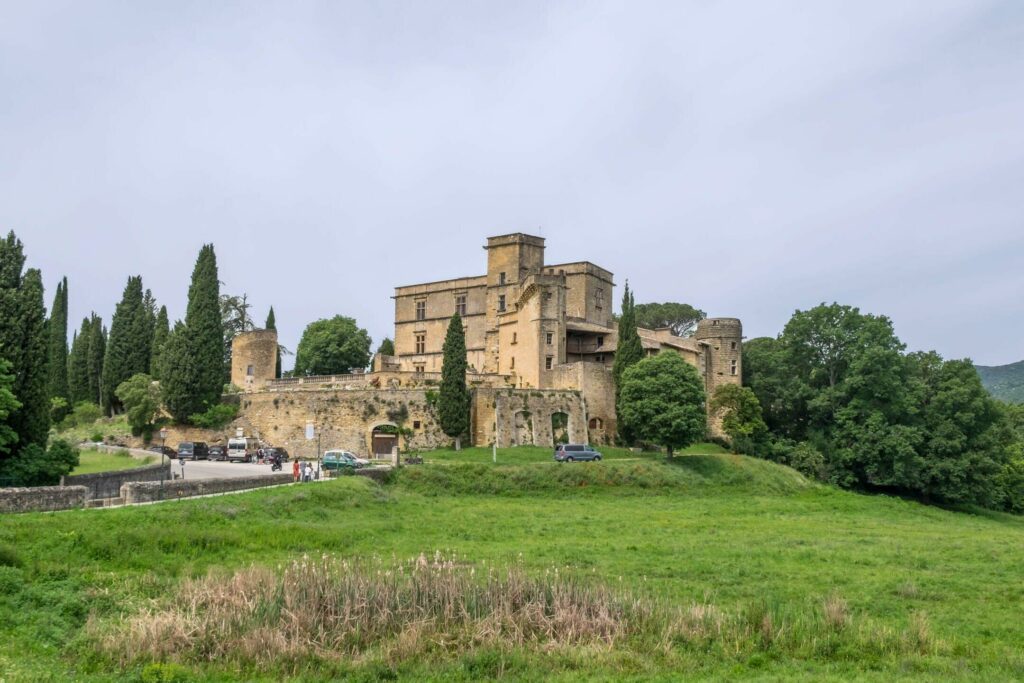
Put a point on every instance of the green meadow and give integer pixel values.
(711, 566)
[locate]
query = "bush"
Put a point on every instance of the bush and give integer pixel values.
(215, 417)
(34, 466)
(97, 437)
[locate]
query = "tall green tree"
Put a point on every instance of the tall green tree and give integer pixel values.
(387, 347)
(161, 329)
(58, 348)
(205, 331)
(97, 353)
(333, 346)
(628, 352)
(740, 412)
(147, 328)
(662, 401)
(271, 324)
(236, 319)
(140, 396)
(453, 398)
(128, 349)
(8, 405)
(78, 368)
(681, 318)
(178, 375)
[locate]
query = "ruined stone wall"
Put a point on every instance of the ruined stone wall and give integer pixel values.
(253, 359)
(108, 484)
(595, 383)
(522, 417)
(148, 492)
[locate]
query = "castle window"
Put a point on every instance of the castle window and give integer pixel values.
(599, 358)
(460, 304)
(501, 278)
(421, 310)
(550, 338)
(599, 299)
(548, 362)
(732, 370)
(421, 343)
(501, 303)
(250, 371)
(419, 368)
(600, 340)
(733, 346)
(512, 364)
(514, 337)
(415, 424)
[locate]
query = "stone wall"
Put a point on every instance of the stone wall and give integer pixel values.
(253, 359)
(42, 498)
(522, 417)
(108, 484)
(148, 492)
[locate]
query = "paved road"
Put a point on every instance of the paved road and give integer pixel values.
(205, 469)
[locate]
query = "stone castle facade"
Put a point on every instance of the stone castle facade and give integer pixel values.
(540, 343)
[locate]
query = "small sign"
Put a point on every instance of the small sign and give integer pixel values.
(309, 431)
(239, 433)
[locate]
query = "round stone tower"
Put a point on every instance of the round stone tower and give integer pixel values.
(253, 359)
(723, 358)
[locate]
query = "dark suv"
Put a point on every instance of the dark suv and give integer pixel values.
(193, 450)
(570, 452)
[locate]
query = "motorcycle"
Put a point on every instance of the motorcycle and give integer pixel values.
(275, 465)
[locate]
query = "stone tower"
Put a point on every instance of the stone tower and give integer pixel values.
(253, 359)
(510, 260)
(722, 340)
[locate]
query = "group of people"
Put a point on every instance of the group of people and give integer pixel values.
(303, 471)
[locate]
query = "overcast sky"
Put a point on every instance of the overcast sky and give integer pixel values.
(750, 158)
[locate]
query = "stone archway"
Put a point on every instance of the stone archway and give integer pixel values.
(595, 431)
(382, 439)
(522, 433)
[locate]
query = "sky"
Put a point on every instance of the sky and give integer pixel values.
(749, 158)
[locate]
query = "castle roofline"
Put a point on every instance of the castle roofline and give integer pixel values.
(440, 282)
(513, 238)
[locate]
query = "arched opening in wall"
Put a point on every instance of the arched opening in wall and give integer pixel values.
(383, 439)
(522, 433)
(595, 431)
(559, 428)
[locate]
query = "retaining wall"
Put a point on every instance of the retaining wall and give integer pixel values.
(147, 492)
(108, 484)
(40, 498)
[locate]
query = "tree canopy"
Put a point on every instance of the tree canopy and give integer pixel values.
(628, 351)
(662, 401)
(58, 348)
(332, 346)
(140, 396)
(681, 318)
(205, 332)
(453, 397)
(128, 348)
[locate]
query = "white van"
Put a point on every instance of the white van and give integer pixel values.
(242, 449)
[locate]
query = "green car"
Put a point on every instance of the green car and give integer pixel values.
(340, 460)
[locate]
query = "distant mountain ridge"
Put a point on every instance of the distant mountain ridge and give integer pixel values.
(1005, 382)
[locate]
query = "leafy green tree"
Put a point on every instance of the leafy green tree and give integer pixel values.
(141, 399)
(332, 346)
(36, 465)
(453, 397)
(662, 401)
(740, 413)
(681, 318)
(128, 349)
(236, 319)
(271, 324)
(161, 329)
(58, 353)
(8, 405)
(179, 376)
(628, 352)
(216, 417)
(387, 347)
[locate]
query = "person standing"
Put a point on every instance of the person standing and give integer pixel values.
(295, 471)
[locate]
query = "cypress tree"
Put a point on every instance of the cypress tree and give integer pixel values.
(58, 346)
(628, 351)
(205, 331)
(179, 375)
(32, 420)
(147, 327)
(12, 260)
(161, 329)
(127, 350)
(78, 365)
(97, 352)
(453, 400)
(272, 325)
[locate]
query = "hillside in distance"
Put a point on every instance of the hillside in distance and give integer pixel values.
(1005, 382)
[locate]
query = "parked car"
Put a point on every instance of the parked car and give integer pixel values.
(570, 452)
(193, 450)
(268, 453)
(218, 453)
(164, 450)
(340, 460)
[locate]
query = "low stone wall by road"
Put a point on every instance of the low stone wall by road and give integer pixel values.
(108, 484)
(40, 498)
(147, 492)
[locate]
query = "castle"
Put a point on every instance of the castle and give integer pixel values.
(540, 342)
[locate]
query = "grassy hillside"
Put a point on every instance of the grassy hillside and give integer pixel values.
(90, 461)
(712, 566)
(1005, 382)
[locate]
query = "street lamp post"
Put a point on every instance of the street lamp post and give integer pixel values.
(163, 438)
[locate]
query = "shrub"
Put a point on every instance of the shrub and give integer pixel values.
(97, 437)
(216, 416)
(36, 466)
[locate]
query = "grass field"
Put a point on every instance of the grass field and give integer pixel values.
(801, 581)
(90, 461)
